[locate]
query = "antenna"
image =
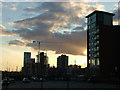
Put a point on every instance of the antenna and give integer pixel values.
(46, 52)
(7, 65)
(9, 69)
(16, 68)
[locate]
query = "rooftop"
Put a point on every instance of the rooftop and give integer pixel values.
(96, 11)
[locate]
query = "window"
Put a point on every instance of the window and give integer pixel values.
(93, 18)
(89, 55)
(97, 54)
(88, 26)
(97, 42)
(89, 61)
(100, 18)
(93, 61)
(97, 47)
(93, 25)
(98, 62)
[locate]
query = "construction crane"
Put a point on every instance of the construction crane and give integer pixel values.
(39, 42)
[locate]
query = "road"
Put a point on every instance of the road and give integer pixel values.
(61, 84)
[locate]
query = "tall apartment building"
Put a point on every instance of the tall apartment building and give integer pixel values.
(102, 44)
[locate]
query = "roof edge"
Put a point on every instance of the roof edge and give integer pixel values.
(99, 11)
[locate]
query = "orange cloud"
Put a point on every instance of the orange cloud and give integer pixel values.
(13, 9)
(11, 23)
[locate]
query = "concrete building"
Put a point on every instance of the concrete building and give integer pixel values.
(102, 44)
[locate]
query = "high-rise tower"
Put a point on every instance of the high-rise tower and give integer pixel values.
(27, 57)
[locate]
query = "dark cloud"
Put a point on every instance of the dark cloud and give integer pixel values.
(5, 32)
(16, 43)
(39, 31)
(78, 28)
(48, 27)
(74, 43)
(117, 16)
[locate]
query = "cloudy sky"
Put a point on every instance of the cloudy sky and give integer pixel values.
(60, 26)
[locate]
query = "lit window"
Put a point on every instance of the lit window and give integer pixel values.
(89, 61)
(93, 62)
(97, 48)
(95, 55)
(89, 54)
(98, 62)
(98, 54)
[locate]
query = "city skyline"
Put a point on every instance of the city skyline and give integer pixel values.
(62, 34)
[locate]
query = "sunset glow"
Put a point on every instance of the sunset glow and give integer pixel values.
(60, 27)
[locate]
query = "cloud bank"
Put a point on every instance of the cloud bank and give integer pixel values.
(60, 26)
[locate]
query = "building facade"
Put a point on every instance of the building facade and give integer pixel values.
(101, 43)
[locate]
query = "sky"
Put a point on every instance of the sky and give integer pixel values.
(60, 27)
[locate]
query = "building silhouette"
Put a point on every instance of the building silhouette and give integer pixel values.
(62, 62)
(29, 64)
(43, 64)
(102, 44)
(62, 65)
(27, 57)
(32, 68)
